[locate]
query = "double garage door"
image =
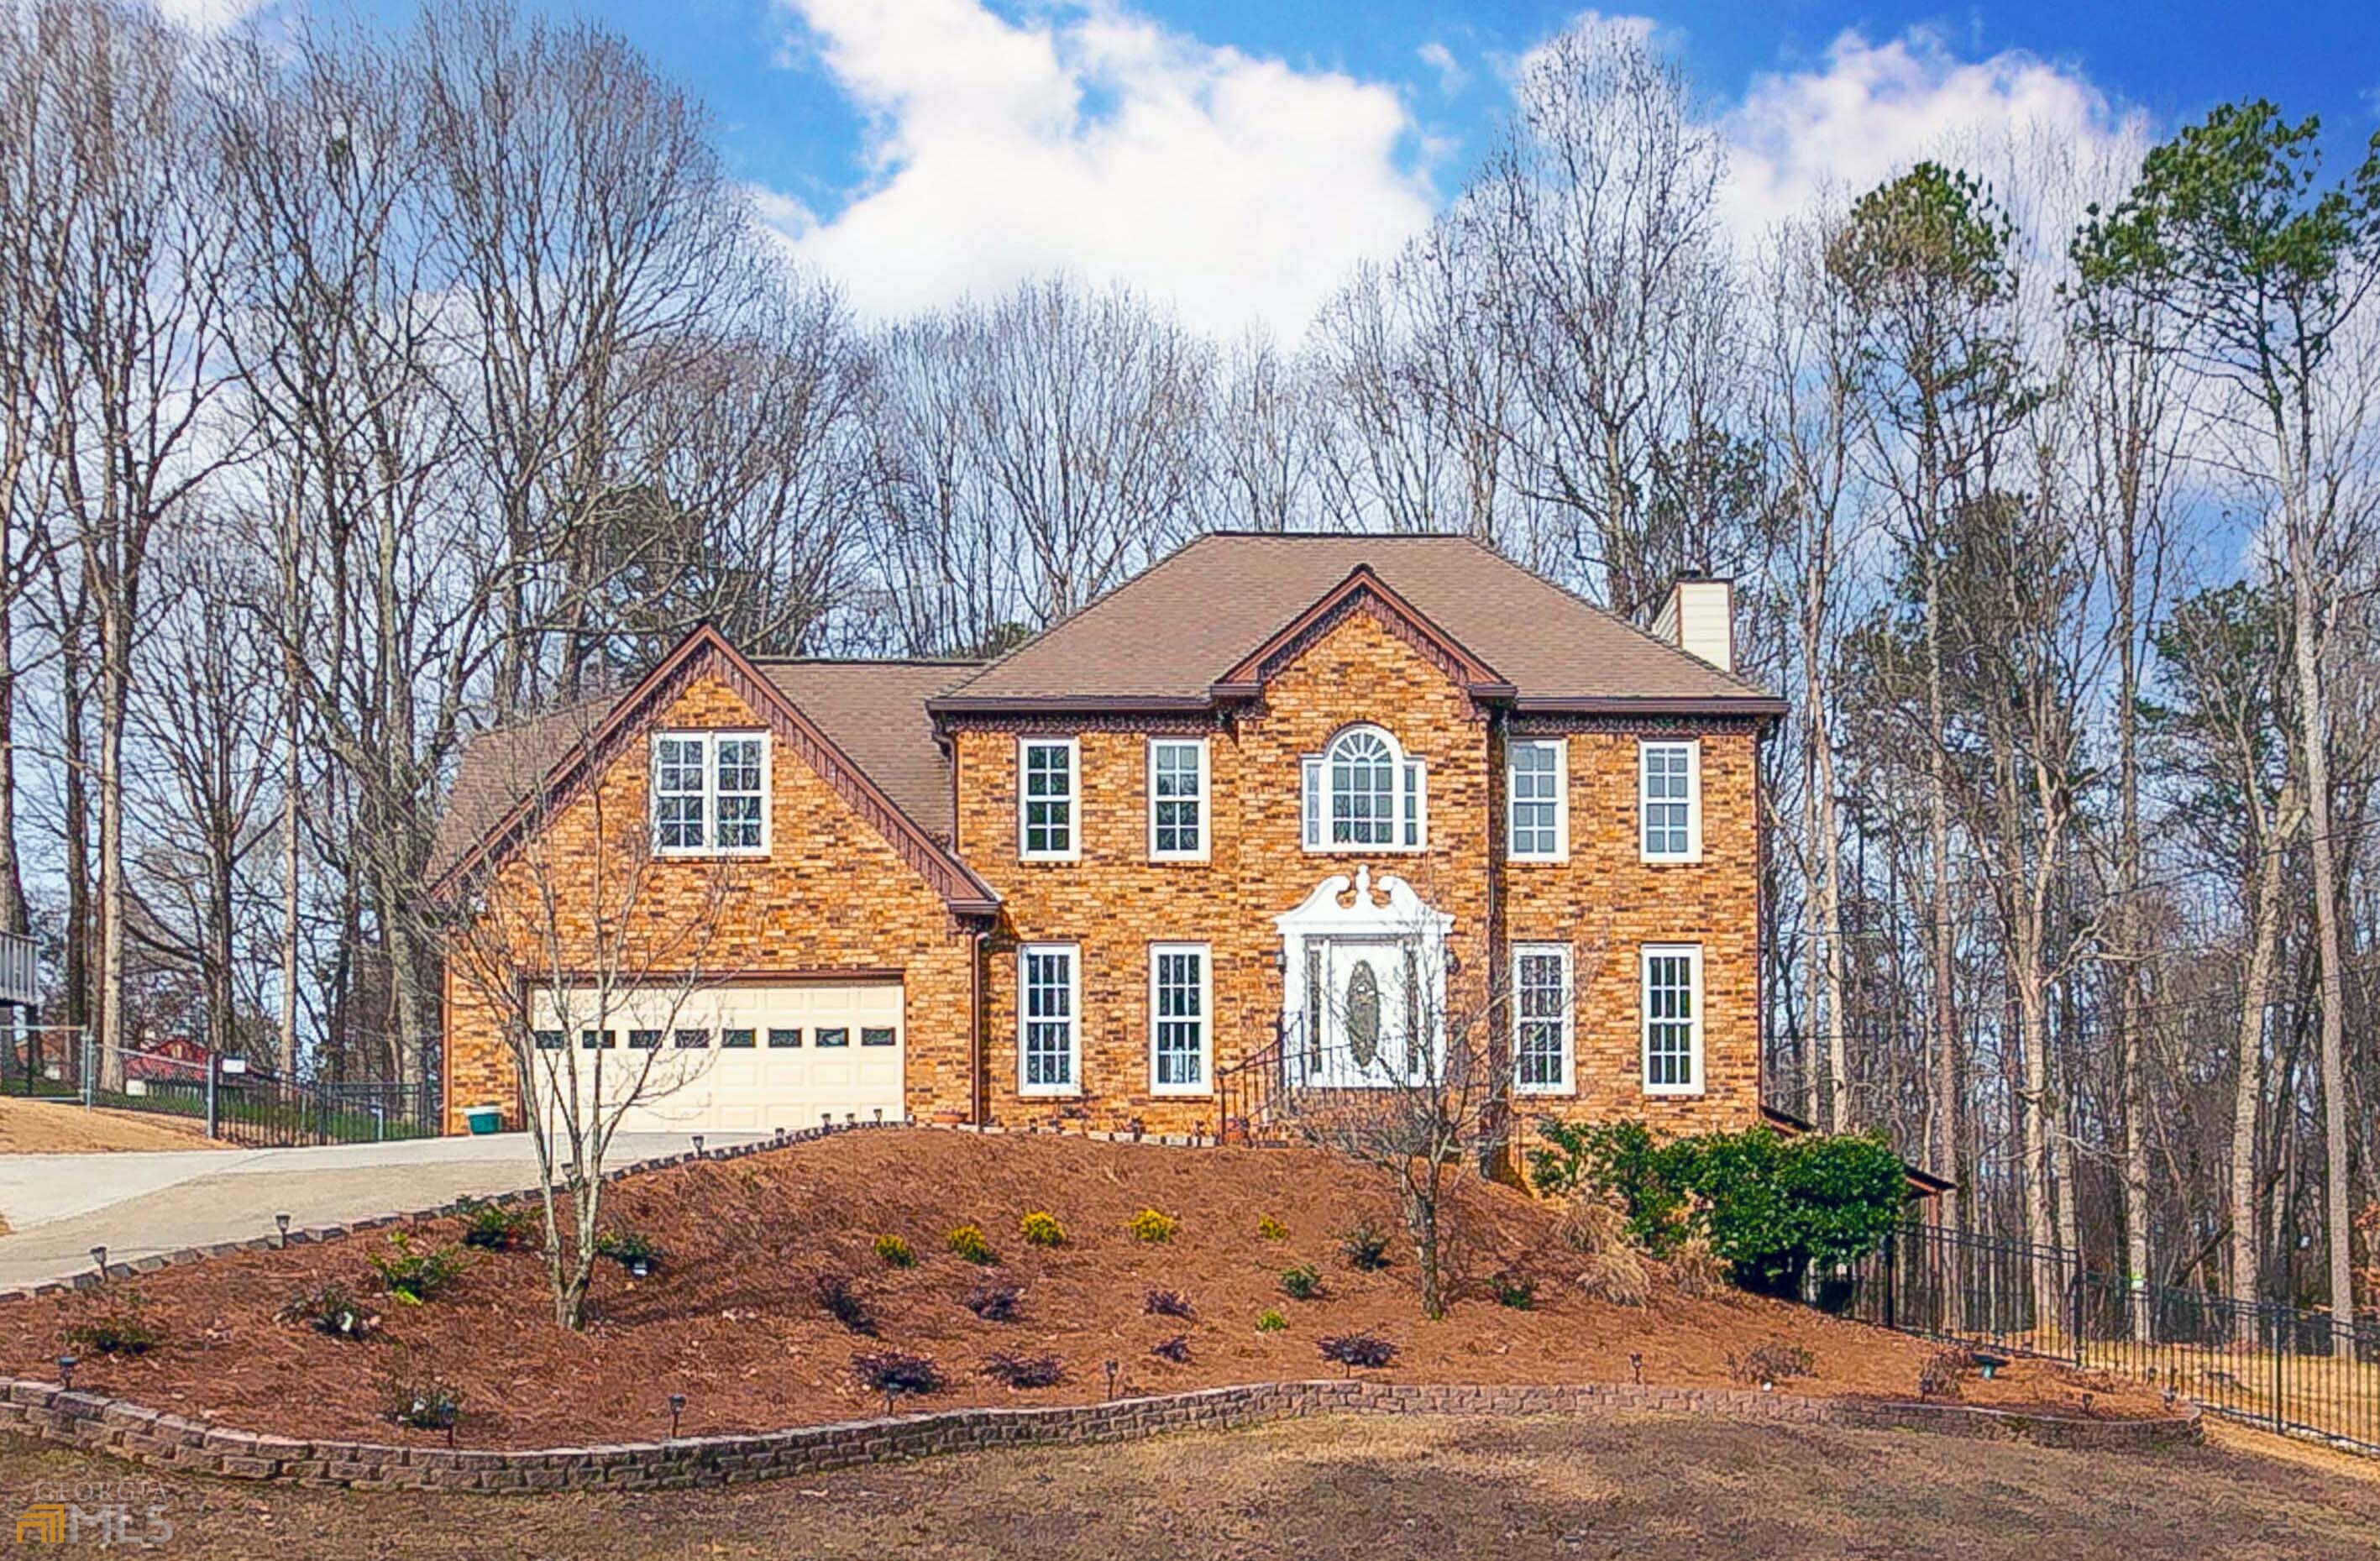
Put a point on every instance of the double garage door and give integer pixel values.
(745, 1059)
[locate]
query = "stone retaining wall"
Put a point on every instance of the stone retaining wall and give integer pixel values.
(149, 1436)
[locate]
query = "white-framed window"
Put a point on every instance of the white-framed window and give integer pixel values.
(1363, 793)
(1541, 1018)
(711, 793)
(1673, 1017)
(1178, 789)
(1670, 800)
(1047, 771)
(1536, 790)
(1050, 1019)
(1180, 1001)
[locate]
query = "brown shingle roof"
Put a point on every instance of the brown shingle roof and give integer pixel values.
(499, 767)
(875, 711)
(1170, 633)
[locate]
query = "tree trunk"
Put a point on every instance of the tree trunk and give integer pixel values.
(2247, 1090)
(2339, 1227)
(115, 677)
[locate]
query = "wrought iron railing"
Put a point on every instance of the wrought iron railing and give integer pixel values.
(2287, 1369)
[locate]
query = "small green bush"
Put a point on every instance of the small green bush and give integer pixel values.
(1366, 1247)
(1365, 1350)
(333, 1311)
(1271, 1229)
(892, 1372)
(493, 1226)
(413, 1275)
(1771, 1363)
(1025, 1371)
(896, 1252)
(1149, 1225)
(632, 1250)
(1514, 1289)
(1270, 1321)
(1302, 1282)
(120, 1327)
(1041, 1228)
(969, 1242)
(425, 1404)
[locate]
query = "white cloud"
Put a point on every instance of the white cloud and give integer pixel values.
(1092, 139)
(1872, 109)
(207, 16)
(1452, 77)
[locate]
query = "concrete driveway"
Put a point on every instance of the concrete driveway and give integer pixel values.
(60, 1206)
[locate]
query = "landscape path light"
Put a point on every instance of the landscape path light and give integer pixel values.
(66, 1372)
(283, 1221)
(98, 1260)
(677, 1408)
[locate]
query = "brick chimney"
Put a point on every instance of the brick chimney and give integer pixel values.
(1699, 619)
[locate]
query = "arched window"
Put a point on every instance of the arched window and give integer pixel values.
(1362, 791)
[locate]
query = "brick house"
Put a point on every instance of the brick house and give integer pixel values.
(1283, 801)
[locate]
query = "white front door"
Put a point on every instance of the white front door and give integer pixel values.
(1370, 992)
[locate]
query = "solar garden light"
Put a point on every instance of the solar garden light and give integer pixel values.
(66, 1372)
(677, 1408)
(698, 1144)
(1113, 1368)
(1636, 1368)
(282, 1220)
(98, 1260)
(879, 1116)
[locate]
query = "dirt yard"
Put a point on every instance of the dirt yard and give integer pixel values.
(1641, 1488)
(52, 1127)
(731, 1319)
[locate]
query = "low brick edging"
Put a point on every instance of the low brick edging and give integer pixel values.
(151, 1437)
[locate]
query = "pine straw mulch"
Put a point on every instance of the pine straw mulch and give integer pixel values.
(732, 1321)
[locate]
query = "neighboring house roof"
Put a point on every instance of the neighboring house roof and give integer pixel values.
(1182, 634)
(508, 790)
(876, 712)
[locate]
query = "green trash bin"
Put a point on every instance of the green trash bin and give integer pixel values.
(483, 1119)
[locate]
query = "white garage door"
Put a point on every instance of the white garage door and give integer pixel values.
(736, 1059)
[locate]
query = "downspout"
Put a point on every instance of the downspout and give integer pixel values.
(1503, 1160)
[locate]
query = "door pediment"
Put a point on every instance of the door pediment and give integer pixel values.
(1394, 911)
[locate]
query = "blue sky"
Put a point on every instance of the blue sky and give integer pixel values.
(1237, 157)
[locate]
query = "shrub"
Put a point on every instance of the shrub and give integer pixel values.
(119, 1326)
(1301, 1283)
(493, 1226)
(632, 1250)
(969, 1241)
(892, 1372)
(994, 1304)
(1271, 1229)
(1365, 1350)
(1149, 1225)
(1168, 1303)
(1514, 1289)
(1270, 1321)
(425, 1404)
(1025, 1371)
(333, 1311)
(896, 1252)
(1771, 1363)
(1041, 1228)
(1771, 1207)
(841, 1299)
(1366, 1247)
(1176, 1349)
(415, 1276)
(1696, 1269)
(1944, 1375)
(1596, 1226)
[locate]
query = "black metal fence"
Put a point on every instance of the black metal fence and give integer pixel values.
(264, 1111)
(2302, 1372)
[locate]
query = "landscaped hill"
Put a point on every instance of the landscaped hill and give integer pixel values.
(733, 1319)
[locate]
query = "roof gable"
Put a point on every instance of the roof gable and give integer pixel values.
(1360, 591)
(706, 652)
